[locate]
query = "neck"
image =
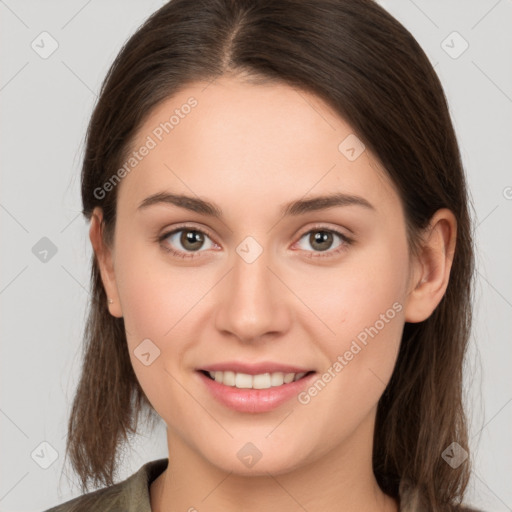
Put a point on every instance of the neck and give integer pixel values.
(341, 480)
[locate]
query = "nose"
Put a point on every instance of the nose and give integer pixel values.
(253, 301)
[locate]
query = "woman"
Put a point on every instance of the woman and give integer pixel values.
(305, 350)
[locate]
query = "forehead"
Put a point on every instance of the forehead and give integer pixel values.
(241, 142)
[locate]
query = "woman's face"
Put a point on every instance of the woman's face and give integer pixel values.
(268, 288)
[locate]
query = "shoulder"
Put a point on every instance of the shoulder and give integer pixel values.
(412, 500)
(130, 495)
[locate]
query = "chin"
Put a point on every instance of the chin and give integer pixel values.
(254, 459)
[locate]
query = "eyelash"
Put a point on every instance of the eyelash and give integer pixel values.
(346, 241)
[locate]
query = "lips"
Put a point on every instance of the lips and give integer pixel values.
(254, 387)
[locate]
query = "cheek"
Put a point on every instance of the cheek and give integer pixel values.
(154, 294)
(365, 285)
(160, 307)
(364, 308)
(359, 362)
(153, 308)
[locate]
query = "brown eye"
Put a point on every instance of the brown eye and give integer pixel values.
(191, 240)
(324, 241)
(184, 242)
(321, 240)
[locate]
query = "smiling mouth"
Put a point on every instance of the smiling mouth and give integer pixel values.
(260, 381)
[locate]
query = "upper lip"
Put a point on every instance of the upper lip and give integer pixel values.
(254, 368)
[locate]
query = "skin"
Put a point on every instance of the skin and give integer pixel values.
(249, 149)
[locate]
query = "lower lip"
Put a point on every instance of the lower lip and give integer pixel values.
(254, 400)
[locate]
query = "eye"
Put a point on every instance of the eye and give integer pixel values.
(191, 240)
(322, 239)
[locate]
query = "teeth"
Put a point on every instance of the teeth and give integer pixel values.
(242, 380)
(260, 381)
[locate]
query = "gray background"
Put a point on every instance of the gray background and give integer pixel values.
(46, 104)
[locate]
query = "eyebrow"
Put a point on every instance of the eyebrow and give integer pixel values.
(293, 208)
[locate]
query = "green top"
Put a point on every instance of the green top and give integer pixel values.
(132, 495)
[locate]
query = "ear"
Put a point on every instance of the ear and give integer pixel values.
(105, 259)
(432, 266)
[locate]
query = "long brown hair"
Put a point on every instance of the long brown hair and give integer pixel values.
(371, 71)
